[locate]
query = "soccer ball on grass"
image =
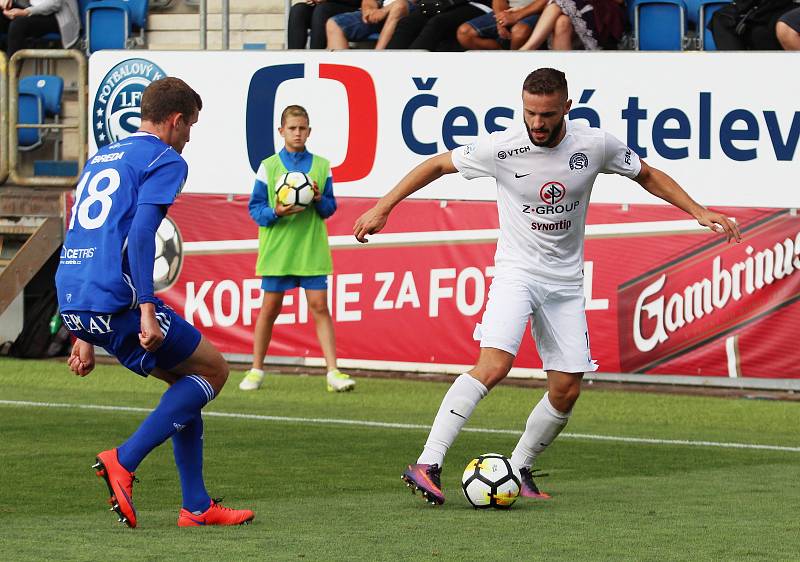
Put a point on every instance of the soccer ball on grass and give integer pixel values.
(294, 188)
(491, 480)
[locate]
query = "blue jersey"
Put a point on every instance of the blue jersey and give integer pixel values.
(93, 272)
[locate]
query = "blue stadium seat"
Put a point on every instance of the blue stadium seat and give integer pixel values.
(30, 110)
(658, 25)
(109, 24)
(39, 98)
(707, 10)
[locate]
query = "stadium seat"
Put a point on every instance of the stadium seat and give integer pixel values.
(658, 25)
(39, 98)
(706, 10)
(30, 110)
(109, 24)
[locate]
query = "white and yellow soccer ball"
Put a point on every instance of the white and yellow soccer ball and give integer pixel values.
(168, 256)
(294, 188)
(491, 480)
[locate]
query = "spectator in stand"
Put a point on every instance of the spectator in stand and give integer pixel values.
(312, 15)
(423, 30)
(750, 25)
(507, 27)
(587, 24)
(375, 16)
(29, 19)
(788, 30)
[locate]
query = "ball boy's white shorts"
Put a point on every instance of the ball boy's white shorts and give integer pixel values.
(557, 315)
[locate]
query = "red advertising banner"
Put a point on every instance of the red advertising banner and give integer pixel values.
(664, 296)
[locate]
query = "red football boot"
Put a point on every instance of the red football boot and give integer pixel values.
(120, 485)
(216, 514)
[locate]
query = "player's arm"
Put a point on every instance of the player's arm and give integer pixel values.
(513, 15)
(81, 359)
(428, 171)
(260, 210)
(326, 203)
(664, 187)
(141, 257)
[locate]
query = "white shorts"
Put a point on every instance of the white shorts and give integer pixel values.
(558, 321)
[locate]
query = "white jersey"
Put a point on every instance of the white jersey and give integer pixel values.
(543, 194)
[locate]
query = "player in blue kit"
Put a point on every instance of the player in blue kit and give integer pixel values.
(105, 295)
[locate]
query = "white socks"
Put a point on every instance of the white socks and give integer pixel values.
(543, 426)
(456, 408)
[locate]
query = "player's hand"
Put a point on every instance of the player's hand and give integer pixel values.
(376, 16)
(150, 335)
(317, 192)
(369, 223)
(282, 210)
(508, 17)
(720, 223)
(503, 31)
(12, 13)
(81, 359)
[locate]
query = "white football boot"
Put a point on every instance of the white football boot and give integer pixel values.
(339, 382)
(252, 380)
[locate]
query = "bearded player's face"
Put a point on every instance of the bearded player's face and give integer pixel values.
(544, 117)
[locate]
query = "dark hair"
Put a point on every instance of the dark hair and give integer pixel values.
(166, 96)
(545, 81)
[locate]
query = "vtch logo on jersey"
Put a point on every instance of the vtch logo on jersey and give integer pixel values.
(362, 110)
(578, 161)
(503, 154)
(116, 114)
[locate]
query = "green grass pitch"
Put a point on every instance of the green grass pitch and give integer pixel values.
(327, 488)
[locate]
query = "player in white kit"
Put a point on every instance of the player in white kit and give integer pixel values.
(545, 168)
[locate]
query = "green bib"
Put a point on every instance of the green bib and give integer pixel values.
(294, 244)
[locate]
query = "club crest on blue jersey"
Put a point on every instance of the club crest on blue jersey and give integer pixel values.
(115, 113)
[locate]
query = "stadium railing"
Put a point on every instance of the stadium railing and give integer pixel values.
(4, 149)
(14, 67)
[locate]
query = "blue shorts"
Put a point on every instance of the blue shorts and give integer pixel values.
(118, 334)
(486, 26)
(281, 283)
(355, 29)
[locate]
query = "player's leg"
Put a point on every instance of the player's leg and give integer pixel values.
(181, 411)
(562, 34)
(298, 25)
(316, 289)
(337, 26)
(559, 327)
(182, 344)
(500, 334)
(323, 11)
(194, 382)
(397, 11)
(479, 33)
(544, 27)
(273, 290)
(788, 37)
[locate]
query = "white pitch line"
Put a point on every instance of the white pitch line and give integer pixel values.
(393, 425)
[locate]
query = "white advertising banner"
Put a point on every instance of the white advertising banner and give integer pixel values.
(725, 125)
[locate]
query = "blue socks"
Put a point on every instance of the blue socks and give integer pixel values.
(179, 407)
(188, 447)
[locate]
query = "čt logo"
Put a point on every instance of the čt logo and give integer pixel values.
(362, 108)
